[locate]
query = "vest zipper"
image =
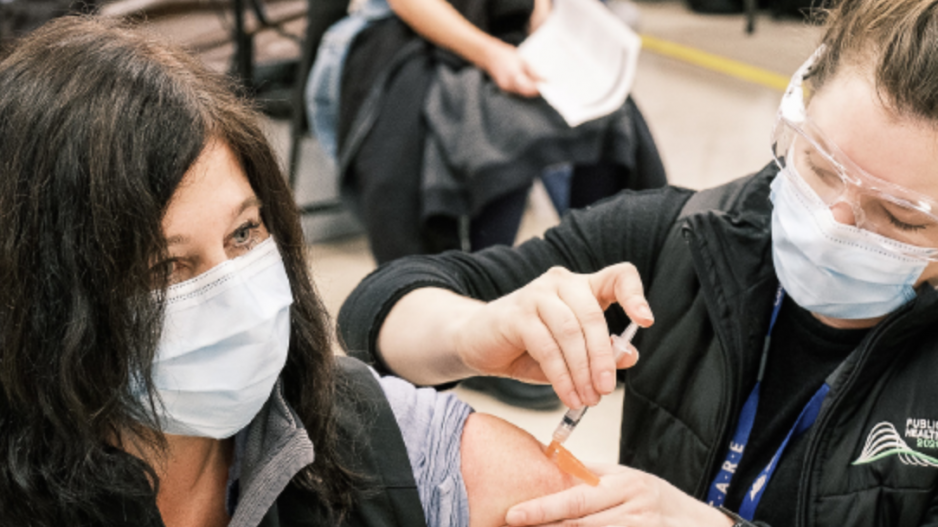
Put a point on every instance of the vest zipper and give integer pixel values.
(727, 394)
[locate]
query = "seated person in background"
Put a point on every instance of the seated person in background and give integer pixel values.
(436, 125)
(439, 133)
(790, 371)
(164, 358)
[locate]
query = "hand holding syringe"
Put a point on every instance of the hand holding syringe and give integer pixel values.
(620, 345)
(564, 459)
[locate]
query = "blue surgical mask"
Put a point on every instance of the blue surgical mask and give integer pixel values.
(225, 338)
(833, 269)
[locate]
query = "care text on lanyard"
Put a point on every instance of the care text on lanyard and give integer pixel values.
(747, 416)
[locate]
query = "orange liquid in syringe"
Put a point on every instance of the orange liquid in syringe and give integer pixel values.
(569, 464)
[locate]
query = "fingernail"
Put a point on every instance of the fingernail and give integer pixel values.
(591, 396)
(645, 312)
(515, 517)
(607, 382)
(575, 400)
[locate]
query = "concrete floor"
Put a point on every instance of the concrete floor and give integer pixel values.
(710, 128)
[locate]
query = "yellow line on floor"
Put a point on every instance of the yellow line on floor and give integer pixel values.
(712, 62)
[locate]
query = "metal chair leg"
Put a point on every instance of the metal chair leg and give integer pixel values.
(750, 16)
(244, 47)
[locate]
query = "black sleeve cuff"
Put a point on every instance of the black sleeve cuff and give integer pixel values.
(740, 521)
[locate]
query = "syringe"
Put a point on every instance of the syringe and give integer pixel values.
(620, 345)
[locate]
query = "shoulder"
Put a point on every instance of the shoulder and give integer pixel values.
(628, 227)
(644, 211)
(667, 204)
(740, 196)
(413, 408)
(370, 433)
(657, 202)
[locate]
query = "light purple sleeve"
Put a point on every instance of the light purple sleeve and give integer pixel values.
(431, 424)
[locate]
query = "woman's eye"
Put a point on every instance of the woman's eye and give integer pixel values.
(905, 226)
(166, 266)
(899, 217)
(241, 235)
(171, 269)
(822, 172)
(247, 235)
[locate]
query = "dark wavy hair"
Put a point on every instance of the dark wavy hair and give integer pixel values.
(98, 124)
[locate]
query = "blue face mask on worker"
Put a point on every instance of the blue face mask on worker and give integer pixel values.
(842, 271)
(225, 338)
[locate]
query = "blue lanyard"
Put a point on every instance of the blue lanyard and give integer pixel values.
(747, 416)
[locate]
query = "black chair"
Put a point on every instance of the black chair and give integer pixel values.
(320, 15)
(19, 17)
(270, 83)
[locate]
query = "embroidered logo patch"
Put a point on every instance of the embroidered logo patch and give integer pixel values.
(884, 441)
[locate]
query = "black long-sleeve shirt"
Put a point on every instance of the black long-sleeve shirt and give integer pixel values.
(804, 352)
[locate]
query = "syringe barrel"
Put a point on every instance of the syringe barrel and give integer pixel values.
(620, 343)
(569, 422)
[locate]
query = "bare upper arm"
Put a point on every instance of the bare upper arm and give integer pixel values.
(502, 466)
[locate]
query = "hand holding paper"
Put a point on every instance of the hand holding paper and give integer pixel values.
(586, 59)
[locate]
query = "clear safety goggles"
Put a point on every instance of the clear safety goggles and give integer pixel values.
(881, 207)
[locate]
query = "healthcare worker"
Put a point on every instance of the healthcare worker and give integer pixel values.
(787, 372)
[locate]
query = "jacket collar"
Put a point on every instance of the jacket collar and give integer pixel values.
(268, 454)
(732, 250)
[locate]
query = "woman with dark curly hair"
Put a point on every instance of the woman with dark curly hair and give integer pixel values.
(164, 357)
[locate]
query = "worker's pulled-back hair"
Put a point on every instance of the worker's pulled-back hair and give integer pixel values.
(895, 41)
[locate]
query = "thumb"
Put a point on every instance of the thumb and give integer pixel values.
(530, 72)
(525, 85)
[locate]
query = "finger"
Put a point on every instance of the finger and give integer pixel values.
(525, 368)
(533, 75)
(600, 354)
(621, 283)
(506, 83)
(576, 502)
(527, 86)
(522, 83)
(545, 350)
(628, 359)
(565, 327)
(611, 517)
(608, 469)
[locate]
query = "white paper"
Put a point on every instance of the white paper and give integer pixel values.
(586, 58)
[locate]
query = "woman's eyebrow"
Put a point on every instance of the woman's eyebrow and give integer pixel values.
(178, 239)
(252, 201)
